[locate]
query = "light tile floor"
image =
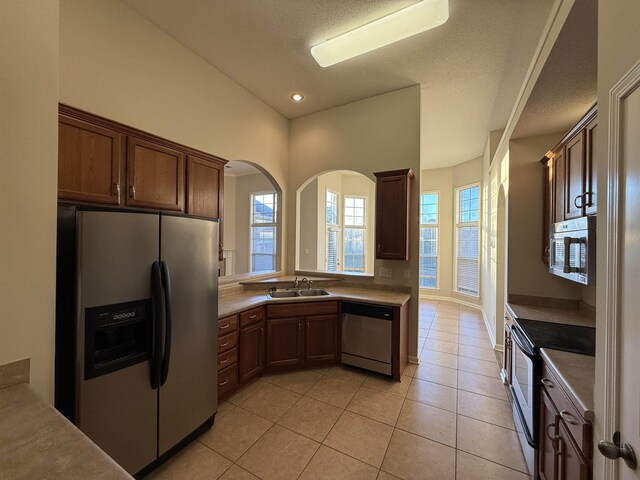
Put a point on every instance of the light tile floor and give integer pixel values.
(448, 418)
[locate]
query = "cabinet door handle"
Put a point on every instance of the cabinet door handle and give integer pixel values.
(575, 201)
(222, 362)
(224, 344)
(568, 417)
(262, 332)
(547, 383)
(224, 327)
(116, 189)
(252, 317)
(132, 191)
(223, 383)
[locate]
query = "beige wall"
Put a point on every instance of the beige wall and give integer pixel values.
(28, 185)
(376, 134)
(444, 181)
(618, 52)
(229, 232)
(116, 64)
(308, 227)
(528, 275)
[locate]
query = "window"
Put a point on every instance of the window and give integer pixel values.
(354, 234)
(429, 240)
(263, 231)
(332, 220)
(467, 239)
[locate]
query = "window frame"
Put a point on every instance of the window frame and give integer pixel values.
(274, 225)
(457, 225)
(333, 227)
(356, 227)
(437, 227)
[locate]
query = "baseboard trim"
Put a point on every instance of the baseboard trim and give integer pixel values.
(492, 337)
(414, 359)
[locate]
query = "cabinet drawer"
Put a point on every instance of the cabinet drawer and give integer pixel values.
(227, 342)
(227, 380)
(301, 309)
(227, 325)
(579, 428)
(227, 358)
(252, 316)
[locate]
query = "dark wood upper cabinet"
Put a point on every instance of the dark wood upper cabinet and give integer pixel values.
(393, 192)
(155, 176)
(205, 191)
(90, 162)
(321, 339)
(574, 185)
(570, 178)
(591, 179)
(558, 186)
(204, 187)
(106, 162)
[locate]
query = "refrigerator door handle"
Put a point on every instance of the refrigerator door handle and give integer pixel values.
(166, 282)
(157, 323)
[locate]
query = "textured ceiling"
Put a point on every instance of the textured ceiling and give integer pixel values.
(567, 85)
(471, 68)
(238, 168)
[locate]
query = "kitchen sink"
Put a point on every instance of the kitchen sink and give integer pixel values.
(313, 292)
(283, 293)
(286, 293)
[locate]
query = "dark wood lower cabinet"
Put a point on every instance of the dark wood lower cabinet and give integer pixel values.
(565, 447)
(548, 439)
(285, 347)
(251, 352)
(321, 339)
(571, 464)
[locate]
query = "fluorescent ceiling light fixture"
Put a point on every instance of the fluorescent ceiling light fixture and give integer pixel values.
(297, 97)
(402, 24)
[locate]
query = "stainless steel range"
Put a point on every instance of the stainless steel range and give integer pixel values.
(528, 337)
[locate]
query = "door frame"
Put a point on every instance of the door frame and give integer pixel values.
(625, 86)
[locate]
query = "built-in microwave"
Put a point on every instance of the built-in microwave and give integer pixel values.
(572, 252)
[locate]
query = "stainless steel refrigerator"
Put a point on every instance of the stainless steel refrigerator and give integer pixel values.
(136, 329)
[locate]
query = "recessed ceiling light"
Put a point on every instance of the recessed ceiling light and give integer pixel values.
(297, 97)
(386, 30)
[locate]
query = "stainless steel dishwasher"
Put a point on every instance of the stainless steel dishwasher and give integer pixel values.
(366, 336)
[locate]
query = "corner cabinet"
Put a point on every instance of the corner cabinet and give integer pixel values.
(302, 334)
(104, 162)
(393, 194)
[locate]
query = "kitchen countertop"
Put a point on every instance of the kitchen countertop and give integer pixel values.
(552, 315)
(237, 302)
(36, 441)
(577, 372)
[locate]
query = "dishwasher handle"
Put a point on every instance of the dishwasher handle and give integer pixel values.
(382, 312)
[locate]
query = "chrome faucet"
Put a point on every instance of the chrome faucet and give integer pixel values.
(305, 280)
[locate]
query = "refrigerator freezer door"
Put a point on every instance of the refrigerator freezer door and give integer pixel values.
(189, 248)
(118, 410)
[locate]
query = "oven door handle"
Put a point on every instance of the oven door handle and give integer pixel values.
(523, 422)
(516, 336)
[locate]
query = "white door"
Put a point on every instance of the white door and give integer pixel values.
(624, 310)
(629, 422)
